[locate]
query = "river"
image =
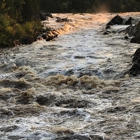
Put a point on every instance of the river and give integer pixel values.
(71, 88)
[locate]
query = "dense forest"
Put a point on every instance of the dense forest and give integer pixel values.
(90, 5)
(19, 19)
(17, 22)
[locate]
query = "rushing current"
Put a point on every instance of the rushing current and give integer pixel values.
(73, 87)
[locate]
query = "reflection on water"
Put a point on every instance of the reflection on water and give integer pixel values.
(65, 89)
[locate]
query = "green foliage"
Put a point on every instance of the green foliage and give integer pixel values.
(31, 29)
(30, 9)
(10, 30)
(5, 33)
(16, 21)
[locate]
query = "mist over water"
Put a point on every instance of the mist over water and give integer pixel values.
(72, 87)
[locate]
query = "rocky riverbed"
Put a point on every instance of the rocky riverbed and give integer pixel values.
(73, 87)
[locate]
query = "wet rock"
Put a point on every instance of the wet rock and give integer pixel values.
(129, 21)
(129, 30)
(135, 39)
(115, 20)
(126, 37)
(134, 32)
(107, 27)
(136, 55)
(49, 35)
(58, 19)
(106, 32)
(135, 69)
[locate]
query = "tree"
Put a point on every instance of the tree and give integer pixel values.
(30, 9)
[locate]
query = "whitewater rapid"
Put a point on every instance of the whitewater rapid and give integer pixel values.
(73, 87)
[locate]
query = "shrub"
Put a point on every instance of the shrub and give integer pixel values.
(10, 31)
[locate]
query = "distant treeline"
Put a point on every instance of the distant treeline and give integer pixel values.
(90, 5)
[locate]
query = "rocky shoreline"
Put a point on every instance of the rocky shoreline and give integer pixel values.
(131, 33)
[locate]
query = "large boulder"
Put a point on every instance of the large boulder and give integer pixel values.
(117, 20)
(129, 21)
(135, 39)
(136, 55)
(135, 69)
(134, 32)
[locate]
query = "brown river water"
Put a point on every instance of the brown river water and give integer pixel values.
(71, 88)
